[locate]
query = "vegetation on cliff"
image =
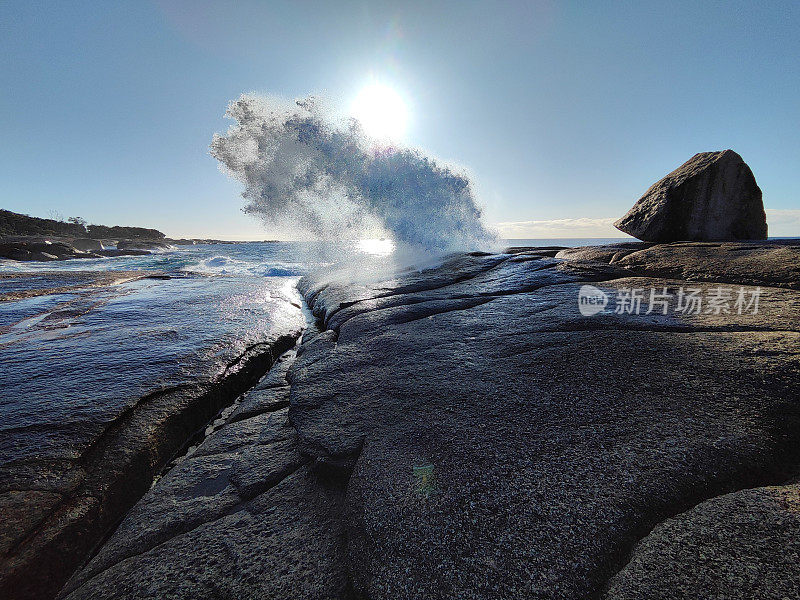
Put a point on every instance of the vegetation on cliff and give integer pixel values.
(12, 223)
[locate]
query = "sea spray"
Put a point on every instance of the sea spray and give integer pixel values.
(309, 174)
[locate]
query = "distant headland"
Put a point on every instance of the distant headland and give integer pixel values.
(15, 224)
(28, 238)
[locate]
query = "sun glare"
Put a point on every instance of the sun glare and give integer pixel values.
(381, 112)
(376, 247)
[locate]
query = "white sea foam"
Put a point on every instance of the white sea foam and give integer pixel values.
(226, 265)
(309, 174)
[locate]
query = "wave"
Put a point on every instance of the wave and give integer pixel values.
(226, 265)
(282, 272)
(303, 171)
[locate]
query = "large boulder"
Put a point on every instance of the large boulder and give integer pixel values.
(14, 251)
(87, 244)
(712, 196)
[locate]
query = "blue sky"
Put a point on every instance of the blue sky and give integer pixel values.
(564, 113)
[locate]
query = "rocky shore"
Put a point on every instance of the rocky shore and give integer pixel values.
(474, 431)
(25, 238)
(118, 409)
(46, 249)
(42, 250)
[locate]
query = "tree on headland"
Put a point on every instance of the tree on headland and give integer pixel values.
(117, 232)
(77, 221)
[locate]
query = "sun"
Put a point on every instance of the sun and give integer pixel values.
(381, 111)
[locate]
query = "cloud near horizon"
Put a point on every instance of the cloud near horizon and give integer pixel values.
(560, 228)
(782, 223)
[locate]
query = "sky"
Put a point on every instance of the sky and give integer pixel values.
(563, 113)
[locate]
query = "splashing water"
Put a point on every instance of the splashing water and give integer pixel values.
(304, 171)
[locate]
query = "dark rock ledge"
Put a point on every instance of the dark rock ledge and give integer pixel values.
(55, 515)
(20, 285)
(464, 432)
(46, 251)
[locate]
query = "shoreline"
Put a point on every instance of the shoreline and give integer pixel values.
(100, 397)
(357, 425)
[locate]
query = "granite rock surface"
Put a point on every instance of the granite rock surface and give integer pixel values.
(745, 544)
(466, 432)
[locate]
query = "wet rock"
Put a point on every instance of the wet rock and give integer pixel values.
(68, 478)
(55, 248)
(260, 401)
(16, 285)
(34, 250)
(87, 244)
(263, 428)
(281, 544)
(712, 196)
(277, 374)
(41, 251)
(747, 263)
(22, 511)
(213, 481)
(607, 254)
(14, 252)
(260, 467)
(42, 256)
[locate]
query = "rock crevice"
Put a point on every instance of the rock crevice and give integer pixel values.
(115, 470)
